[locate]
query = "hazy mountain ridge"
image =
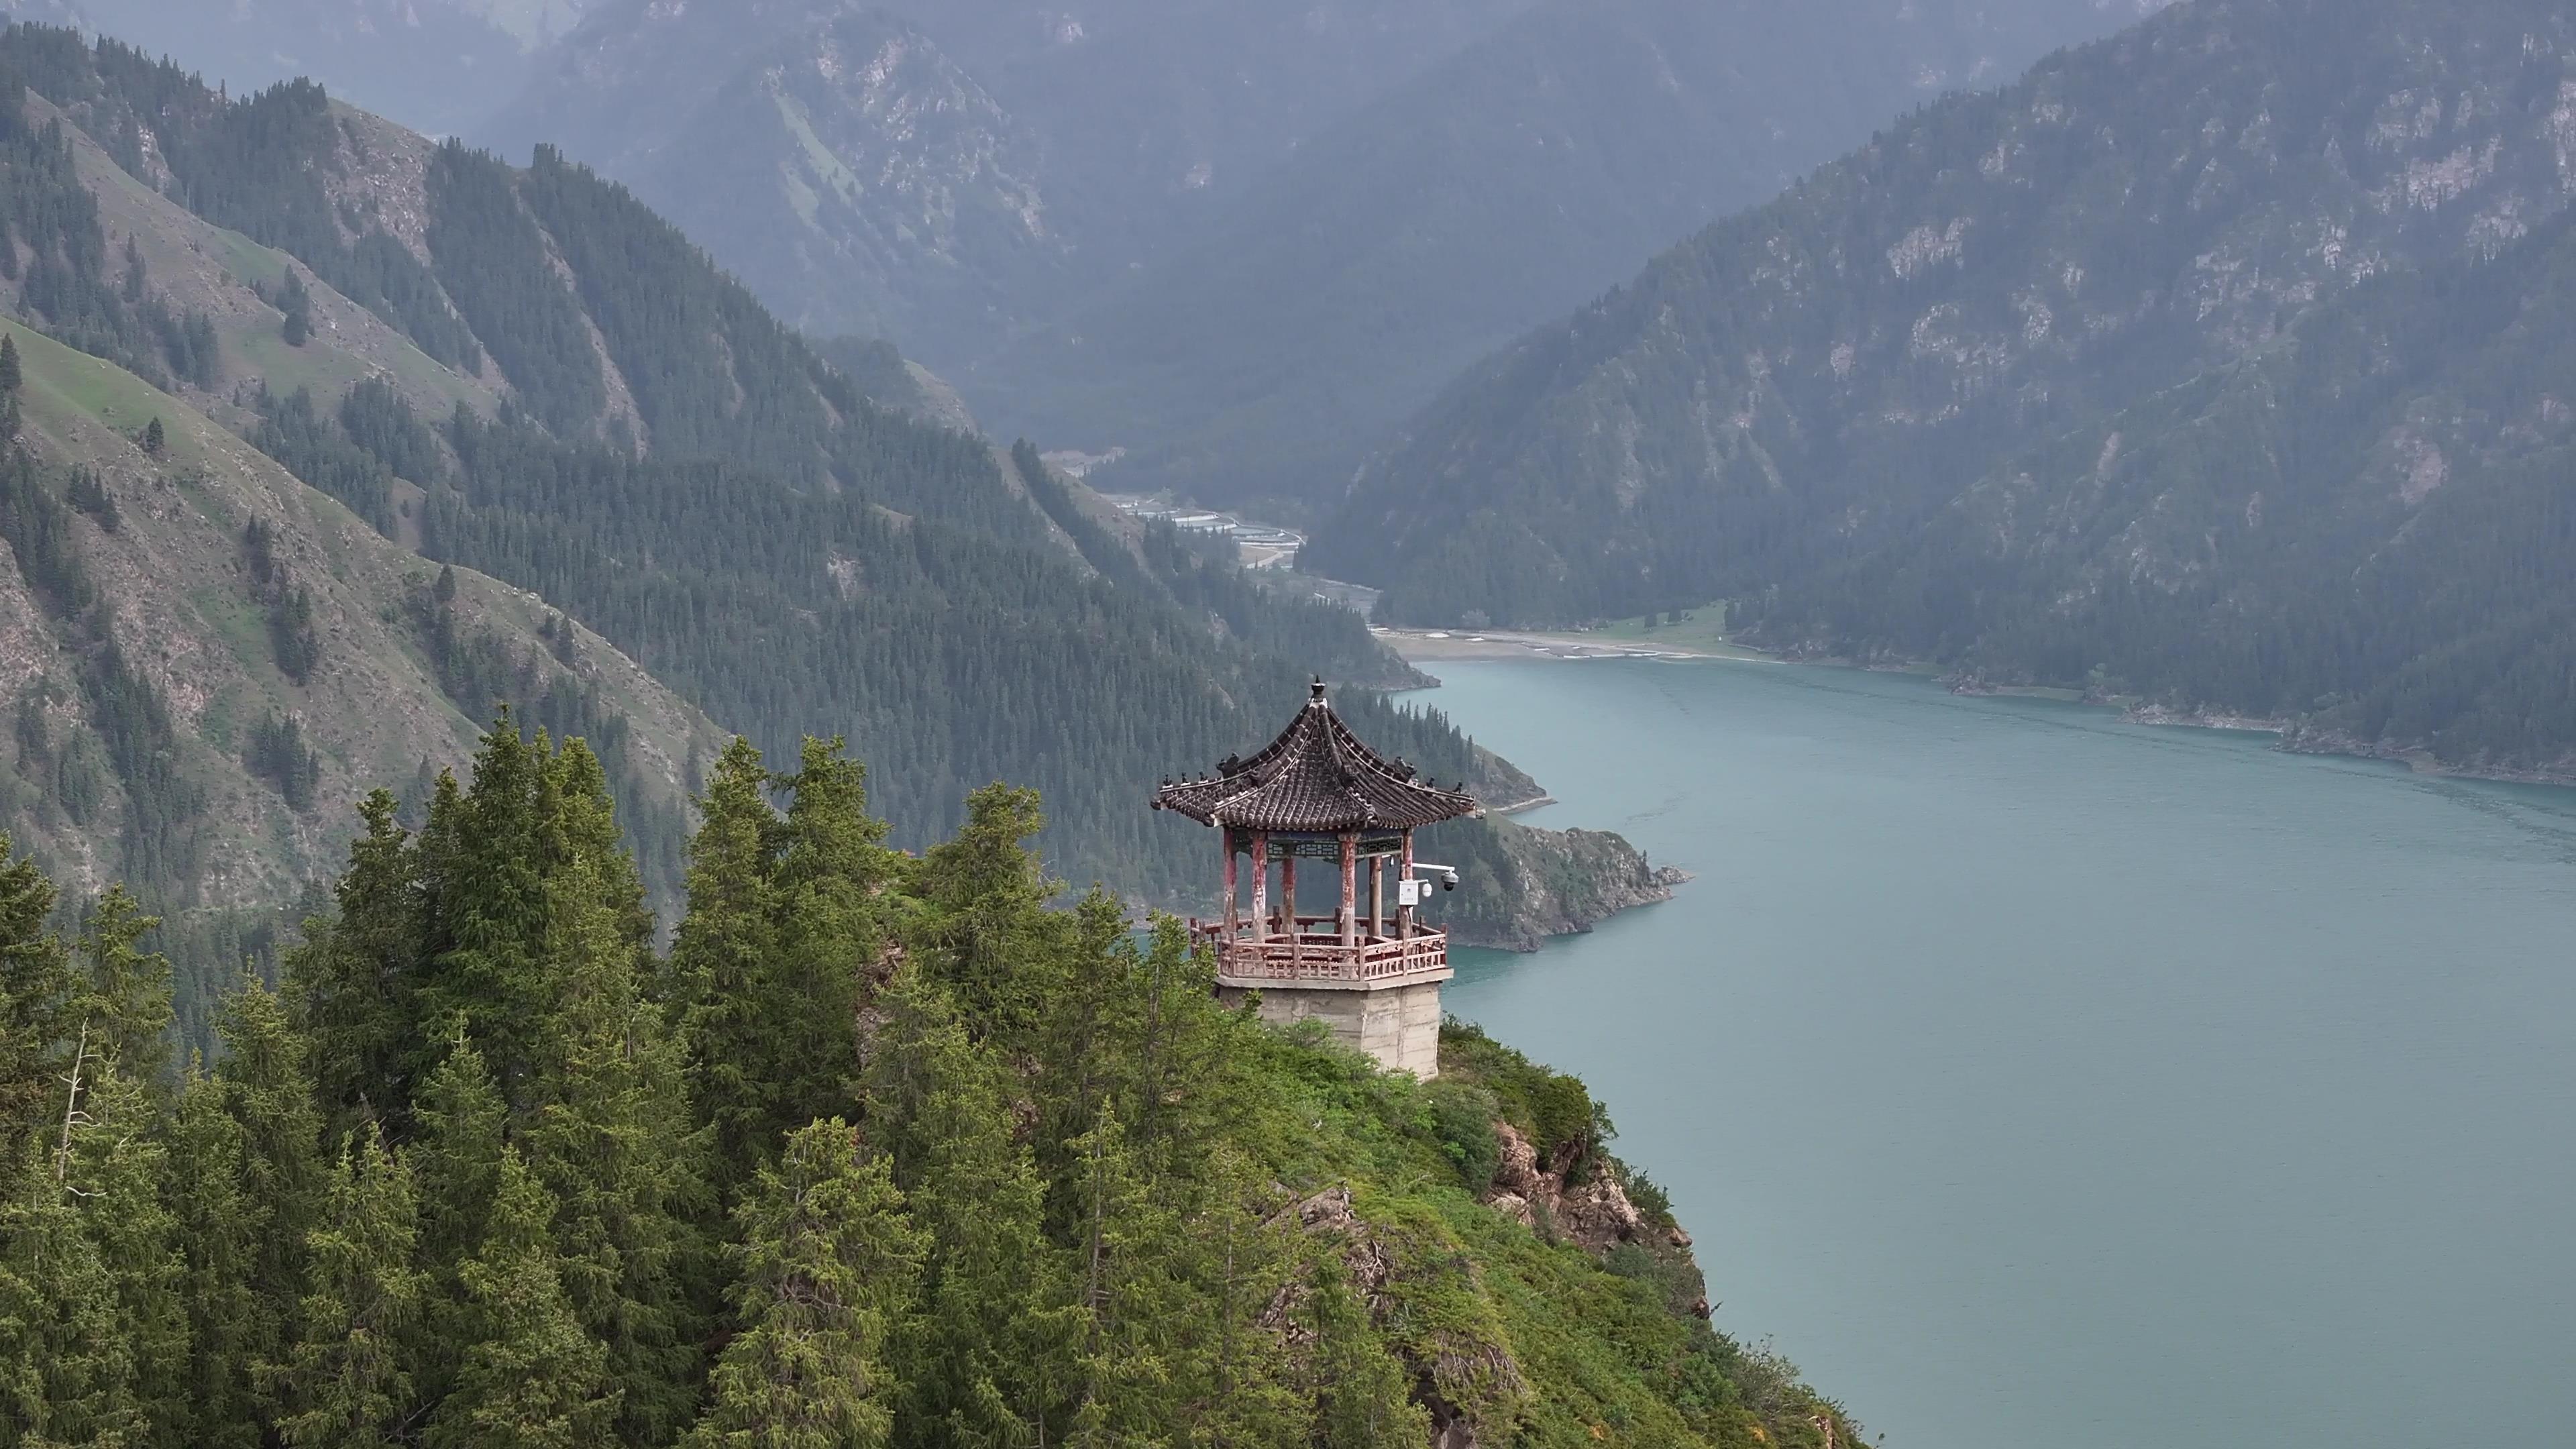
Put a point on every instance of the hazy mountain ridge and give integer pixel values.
(1501, 187)
(947, 175)
(440, 65)
(852, 173)
(1796, 395)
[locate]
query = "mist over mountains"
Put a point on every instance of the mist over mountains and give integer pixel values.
(1234, 241)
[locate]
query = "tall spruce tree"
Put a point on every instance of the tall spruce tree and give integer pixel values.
(831, 866)
(349, 1382)
(456, 1159)
(268, 1095)
(221, 1219)
(611, 1135)
(97, 1204)
(991, 1357)
(128, 1000)
(721, 956)
(828, 1267)
(88, 1279)
(350, 981)
(484, 865)
(38, 1012)
(530, 1378)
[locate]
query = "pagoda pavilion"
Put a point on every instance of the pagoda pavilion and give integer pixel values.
(1318, 793)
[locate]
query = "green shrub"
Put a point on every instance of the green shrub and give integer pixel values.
(1462, 1118)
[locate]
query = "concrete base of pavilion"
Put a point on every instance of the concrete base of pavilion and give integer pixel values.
(1378, 994)
(1397, 1024)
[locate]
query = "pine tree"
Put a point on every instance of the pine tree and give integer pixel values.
(37, 1011)
(128, 1001)
(220, 1222)
(830, 867)
(482, 861)
(349, 1379)
(12, 376)
(530, 1377)
(84, 1259)
(991, 1358)
(349, 983)
(1172, 1273)
(457, 1164)
(155, 438)
(991, 933)
(611, 1134)
(296, 302)
(90, 1239)
(720, 959)
(265, 1091)
(67, 1367)
(828, 1268)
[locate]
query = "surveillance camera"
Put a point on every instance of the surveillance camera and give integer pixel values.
(1448, 880)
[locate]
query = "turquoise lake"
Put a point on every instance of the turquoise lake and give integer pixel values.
(2031, 1078)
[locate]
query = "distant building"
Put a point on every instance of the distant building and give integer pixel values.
(1318, 793)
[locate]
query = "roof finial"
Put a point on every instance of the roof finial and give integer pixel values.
(1319, 689)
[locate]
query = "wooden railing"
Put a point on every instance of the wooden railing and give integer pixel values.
(1313, 954)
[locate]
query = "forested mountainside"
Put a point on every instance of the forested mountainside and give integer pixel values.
(2173, 370)
(486, 1169)
(945, 173)
(437, 65)
(528, 374)
(1499, 189)
(201, 655)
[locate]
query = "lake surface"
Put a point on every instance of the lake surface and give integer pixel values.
(2035, 1079)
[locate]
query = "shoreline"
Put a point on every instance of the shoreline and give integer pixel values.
(1416, 645)
(1419, 645)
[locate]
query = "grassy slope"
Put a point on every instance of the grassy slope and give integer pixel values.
(188, 619)
(1534, 1337)
(210, 269)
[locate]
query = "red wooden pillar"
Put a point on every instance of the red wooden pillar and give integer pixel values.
(1404, 877)
(1227, 836)
(1261, 881)
(1350, 918)
(1288, 906)
(1377, 896)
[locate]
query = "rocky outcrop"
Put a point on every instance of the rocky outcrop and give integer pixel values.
(1595, 1213)
(1563, 882)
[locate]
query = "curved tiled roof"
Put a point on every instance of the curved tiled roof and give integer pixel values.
(1317, 776)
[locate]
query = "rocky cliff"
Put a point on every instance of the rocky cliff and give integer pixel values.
(1560, 882)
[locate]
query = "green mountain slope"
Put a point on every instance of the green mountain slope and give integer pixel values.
(1803, 398)
(676, 470)
(200, 652)
(1499, 189)
(2363, 527)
